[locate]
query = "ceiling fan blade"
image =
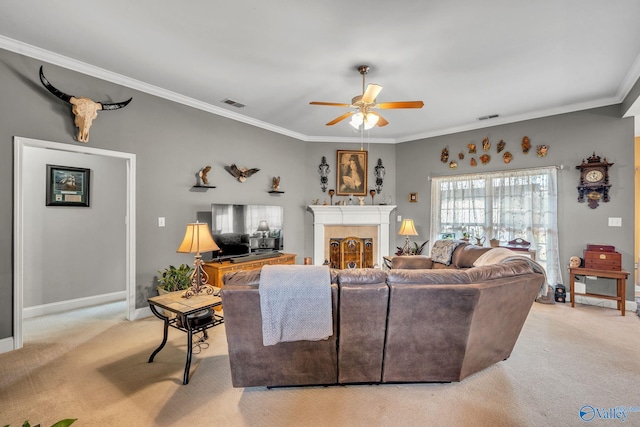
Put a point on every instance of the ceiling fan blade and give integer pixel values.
(371, 93)
(402, 104)
(331, 104)
(341, 118)
(381, 121)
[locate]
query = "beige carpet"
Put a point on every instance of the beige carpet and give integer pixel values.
(95, 369)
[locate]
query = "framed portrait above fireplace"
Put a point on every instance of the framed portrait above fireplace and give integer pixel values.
(351, 173)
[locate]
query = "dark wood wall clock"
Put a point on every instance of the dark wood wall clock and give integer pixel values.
(594, 181)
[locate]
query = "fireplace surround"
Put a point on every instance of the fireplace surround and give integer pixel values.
(327, 218)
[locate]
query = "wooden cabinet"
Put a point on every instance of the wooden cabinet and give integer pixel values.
(216, 270)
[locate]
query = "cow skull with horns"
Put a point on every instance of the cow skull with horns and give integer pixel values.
(84, 109)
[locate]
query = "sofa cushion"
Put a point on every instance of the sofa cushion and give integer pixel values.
(252, 277)
(442, 250)
(427, 277)
(361, 276)
(411, 262)
(465, 255)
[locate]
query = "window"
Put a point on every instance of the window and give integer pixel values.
(501, 205)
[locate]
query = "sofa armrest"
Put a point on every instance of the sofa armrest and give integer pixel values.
(411, 262)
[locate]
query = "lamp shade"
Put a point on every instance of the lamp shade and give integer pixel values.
(197, 239)
(407, 228)
(263, 226)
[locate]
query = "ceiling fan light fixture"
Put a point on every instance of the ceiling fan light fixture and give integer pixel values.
(357, 120)
(370, 120)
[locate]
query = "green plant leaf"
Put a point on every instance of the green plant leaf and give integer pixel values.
(65, 423)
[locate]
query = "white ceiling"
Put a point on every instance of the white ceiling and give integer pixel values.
(464, 59)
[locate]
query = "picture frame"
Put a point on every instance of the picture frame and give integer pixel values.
(351, 173)
(68, 186)
(413, 197)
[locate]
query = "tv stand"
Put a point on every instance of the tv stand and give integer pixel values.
(216, 269)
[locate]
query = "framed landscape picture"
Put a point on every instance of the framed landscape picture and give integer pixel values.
(68, 186)
(351, 173)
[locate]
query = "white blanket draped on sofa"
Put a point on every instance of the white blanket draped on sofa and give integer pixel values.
(496, 255)
(295, 301)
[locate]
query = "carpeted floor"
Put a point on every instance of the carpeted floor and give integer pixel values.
(92, 365)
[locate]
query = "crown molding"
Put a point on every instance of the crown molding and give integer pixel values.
(88, 69)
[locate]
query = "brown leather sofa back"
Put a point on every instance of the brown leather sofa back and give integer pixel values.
(364, 298)
(463, 257)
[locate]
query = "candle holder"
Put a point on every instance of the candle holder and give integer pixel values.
(331, 193)
(372, 193)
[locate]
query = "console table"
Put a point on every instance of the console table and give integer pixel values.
(619, 275)
(186, 319)
(216, 270)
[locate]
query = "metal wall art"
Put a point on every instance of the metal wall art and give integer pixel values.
(379, 172)
(323, 170)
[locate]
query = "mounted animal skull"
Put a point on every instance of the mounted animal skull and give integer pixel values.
(84, 109)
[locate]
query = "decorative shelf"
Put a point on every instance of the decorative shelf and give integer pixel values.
(276, 192)
(202, 187)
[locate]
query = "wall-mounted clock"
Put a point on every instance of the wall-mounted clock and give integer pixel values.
(594, 180)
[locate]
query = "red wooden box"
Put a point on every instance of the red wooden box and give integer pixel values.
(603, 260)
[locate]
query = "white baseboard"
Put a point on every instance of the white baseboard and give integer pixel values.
(141, 313)
(600, 302)
(59, 307)
(6, 345)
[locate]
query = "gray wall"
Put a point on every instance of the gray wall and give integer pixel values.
(571, 138)
(73, 252)
(172, 142)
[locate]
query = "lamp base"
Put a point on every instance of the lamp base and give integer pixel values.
(199, 281)
(405, 249)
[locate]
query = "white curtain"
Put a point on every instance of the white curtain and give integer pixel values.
(501, 205)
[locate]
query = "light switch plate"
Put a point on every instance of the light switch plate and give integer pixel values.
(160, 221)
(615, 222)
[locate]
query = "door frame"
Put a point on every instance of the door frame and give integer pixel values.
(18, 223)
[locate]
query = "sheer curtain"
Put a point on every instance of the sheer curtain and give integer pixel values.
(501, 205)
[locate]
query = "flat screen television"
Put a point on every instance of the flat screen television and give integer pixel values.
(246, 229)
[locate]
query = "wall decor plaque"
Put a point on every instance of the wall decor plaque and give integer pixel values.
(68, 186)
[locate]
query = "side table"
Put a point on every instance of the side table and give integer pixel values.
(185, 320)
(621, 284)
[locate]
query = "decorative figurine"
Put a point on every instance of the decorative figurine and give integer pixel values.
(444, 156)
(203, 175)
(541, 150)
(361, 200)
(486, 145)
(461, 155)
(472, 148)
(485, 158)
(507, 156)
(453, 165)
(473, 162)
(275, 183)
(240, 173)
(526, 145)
(501, 145)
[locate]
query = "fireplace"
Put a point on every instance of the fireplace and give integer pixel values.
(364, 222)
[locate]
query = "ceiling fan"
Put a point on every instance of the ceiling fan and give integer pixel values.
(363, 104)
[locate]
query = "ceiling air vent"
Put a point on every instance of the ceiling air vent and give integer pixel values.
(490, 116)
(233, 103)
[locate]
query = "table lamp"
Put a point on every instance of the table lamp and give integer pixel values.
(198, 239)
(407, 229)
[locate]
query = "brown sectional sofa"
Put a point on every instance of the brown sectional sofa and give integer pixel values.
(419, 322)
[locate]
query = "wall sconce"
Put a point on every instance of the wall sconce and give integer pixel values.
(198, 239)
(379, 172)
(323, 170)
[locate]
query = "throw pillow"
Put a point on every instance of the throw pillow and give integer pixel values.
(442, 251)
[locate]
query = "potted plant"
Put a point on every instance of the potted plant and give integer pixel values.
(173, 279)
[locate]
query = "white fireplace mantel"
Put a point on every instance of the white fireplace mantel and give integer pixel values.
(374, 215)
